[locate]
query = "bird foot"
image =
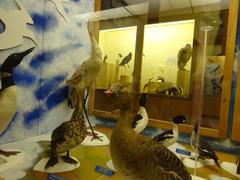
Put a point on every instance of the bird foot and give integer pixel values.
(69, 160)
(51, 162)
(94, 136)
(9, 153)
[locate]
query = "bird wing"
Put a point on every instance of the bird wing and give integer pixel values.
(58, 133)
(164, 136)
(206, 149)
(136, 118)
(166, 159)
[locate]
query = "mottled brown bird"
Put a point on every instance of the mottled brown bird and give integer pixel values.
(87, 72)
(68, 135)
(184, 55)
(139, 157)
(205, 150)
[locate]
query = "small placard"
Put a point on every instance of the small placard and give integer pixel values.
(104, 171)
(184, 152)
(55, 177)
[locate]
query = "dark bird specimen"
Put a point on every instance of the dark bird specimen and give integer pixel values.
(184, 55)
(86, 74)
(69, 134)
(8, 94)
(126, 60)
(139, 157)
(238, 165)
(205, 150)
(169, 137)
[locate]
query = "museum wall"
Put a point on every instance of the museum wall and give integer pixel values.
(61, 45)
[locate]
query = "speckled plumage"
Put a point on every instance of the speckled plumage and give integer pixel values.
(68, 135)
(138, 157)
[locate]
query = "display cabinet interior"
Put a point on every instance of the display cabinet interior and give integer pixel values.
(144, 51)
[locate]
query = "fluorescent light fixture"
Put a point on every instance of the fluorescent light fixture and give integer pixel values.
(119, 29)
(170, 23)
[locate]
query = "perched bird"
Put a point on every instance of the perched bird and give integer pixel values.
(169, 137)
(86, 73)
(69, 134)
(139, 157)
(140, 120)
(120, 55)
(205, 150)
(105, 58)
(238, 165)
(126, 60)
(8, 94)
(184, 55)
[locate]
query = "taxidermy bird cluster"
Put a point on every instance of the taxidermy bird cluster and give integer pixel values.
(136, 156)
(169, 137)
(126, 60)
(8, 94)
(205, 150)
(69, 134)
(184, 55)
(86, 73)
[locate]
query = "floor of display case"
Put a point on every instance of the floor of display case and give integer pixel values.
(92, 156)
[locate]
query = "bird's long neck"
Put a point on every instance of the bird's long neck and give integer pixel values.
(175, 129)
(96, 51)
(78, 112)
(125, 119)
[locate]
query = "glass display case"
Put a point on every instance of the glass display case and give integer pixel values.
(167, 46)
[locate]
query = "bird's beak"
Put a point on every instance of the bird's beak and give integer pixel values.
(24, 53)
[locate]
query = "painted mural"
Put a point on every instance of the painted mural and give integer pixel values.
(61, 44)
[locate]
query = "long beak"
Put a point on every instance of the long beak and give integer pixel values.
(24, 53)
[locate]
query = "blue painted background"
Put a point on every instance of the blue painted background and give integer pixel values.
(41, 77)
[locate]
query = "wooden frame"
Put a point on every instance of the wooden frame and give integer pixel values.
(236, 118)
(225, 99)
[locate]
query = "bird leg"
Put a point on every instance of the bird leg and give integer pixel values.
(68, 159)
(53, 157)
(8, 153)
(95, 136)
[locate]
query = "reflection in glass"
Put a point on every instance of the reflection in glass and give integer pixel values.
(167, 55)
(118, 48)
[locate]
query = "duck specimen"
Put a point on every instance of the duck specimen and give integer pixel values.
(169, 137)
(136, 156)
(205, 150)
(69, 134)
(126, 60)
(184, 55)
(87, 72)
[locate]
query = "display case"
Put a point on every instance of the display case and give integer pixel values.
(166, 46)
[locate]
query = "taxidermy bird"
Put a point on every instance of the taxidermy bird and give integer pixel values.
(205, 150)
(184, 55)
(126, 60)
(238, 165)
(136, 156)
(169, 137)
(8, 94)
(140, 120)
(87, 72)
(69, 134)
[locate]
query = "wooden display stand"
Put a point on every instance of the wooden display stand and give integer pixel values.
(183, 79)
